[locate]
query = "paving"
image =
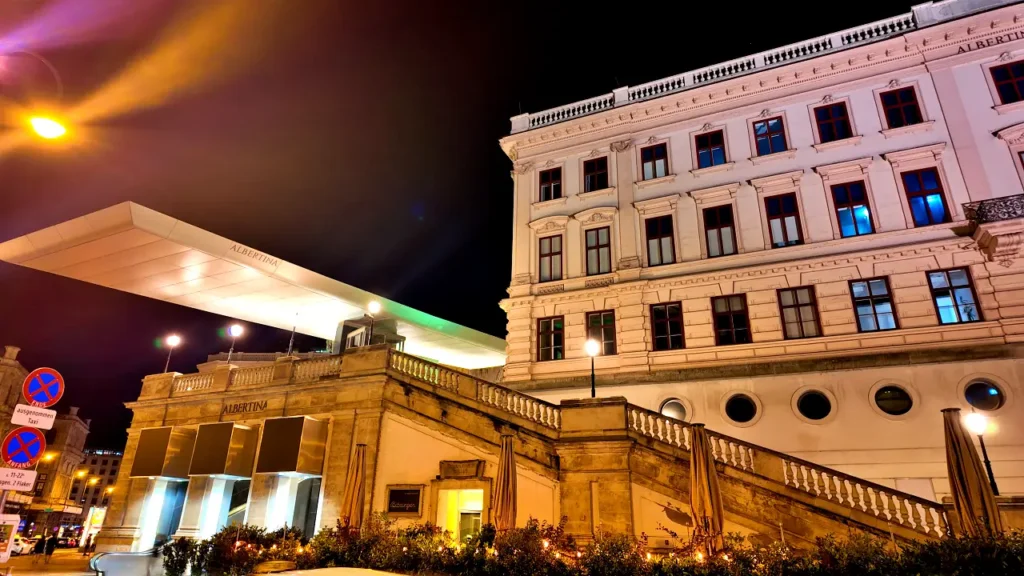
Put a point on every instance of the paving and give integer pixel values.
(66, 562)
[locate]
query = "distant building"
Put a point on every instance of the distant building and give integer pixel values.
(95, 485)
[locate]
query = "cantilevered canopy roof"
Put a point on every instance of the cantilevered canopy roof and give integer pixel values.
(131, 248)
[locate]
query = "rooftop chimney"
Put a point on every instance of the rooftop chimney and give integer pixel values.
(73, 411)
(11, 352)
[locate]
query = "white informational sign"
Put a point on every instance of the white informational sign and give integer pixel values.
(17, 479)
(25, 415)
(8, 526)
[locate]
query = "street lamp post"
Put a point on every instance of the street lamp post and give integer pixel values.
(978, 425)
(373, 308)
(235, 331)
(172, 342)
(592, 348)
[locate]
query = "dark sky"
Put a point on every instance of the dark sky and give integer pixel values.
(359, 142)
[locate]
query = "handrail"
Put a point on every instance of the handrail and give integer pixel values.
(914, 512)
(493, 395)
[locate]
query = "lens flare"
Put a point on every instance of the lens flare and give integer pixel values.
(47, 127)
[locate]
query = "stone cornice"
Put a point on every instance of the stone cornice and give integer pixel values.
(660, 204)
(550, 224)
(1012, 134)
(901, 157)
(778, 182)
(596, 215)
(857, 166)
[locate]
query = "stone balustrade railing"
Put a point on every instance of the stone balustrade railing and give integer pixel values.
(879, 501)
(193, 382)
(316, 367)
(521, 405)
(716, 72)
(252, 376)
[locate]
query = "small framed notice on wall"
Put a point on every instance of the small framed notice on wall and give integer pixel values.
(405, 500)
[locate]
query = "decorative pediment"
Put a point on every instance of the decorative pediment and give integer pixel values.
(841, 170)
(596, 215)
(621, 145)
(715, 193)
(894, 83)
(1012, 134)
(707, 126)
(785, 182)
(655, 206)
(928, 154)
(550, 224)
(522, 167)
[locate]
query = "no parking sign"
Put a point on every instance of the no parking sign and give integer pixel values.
(43, 387)
(22, 447)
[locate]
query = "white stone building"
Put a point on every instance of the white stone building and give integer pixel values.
(773, 245)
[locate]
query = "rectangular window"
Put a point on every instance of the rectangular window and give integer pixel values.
(667, 326)
(954, 297)
(783, 220)
(551, 338)
(660, 241)
(731, 323)
(719, 231)
(710, 149)
(769, 136)
(595, 174)
(551, 258)
(601, 327)
(799, 313)
(550, 184)
(599, 251)
(872, 302)
(833, 122)
(901, 108)
(654, 161)
(852, 210)
(924, 194)
(1009, 81)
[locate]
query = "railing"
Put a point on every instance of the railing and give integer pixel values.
(193, 382)
(879, 501)
(995, 209)
(317, 367)
(716, 72)
(262, 356)
(252, 376)
(492, 395)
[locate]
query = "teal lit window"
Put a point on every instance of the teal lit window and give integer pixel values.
(954, 297)
(852, 209)
(924, 194)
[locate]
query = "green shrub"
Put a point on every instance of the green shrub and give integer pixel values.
(177, 554)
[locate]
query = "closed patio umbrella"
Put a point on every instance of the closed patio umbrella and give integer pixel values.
(972, 493)
(352, 505)
(705, 497)
(504, 501)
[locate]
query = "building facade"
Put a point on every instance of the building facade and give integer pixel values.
(94, 481)
(813, 248)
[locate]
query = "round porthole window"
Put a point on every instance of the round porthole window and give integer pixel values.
(893, 400)
(674, 408)
(741, 408)
(984, 395)
(814, 405)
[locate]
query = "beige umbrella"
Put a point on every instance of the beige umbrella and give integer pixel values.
(503, 505)
(352, 506)
(972, 494)
(705, 497)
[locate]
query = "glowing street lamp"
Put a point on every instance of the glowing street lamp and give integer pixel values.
(47, 128)
(592, 348)
(373, 308)
(93, 481)
(172, 342)
(978, 425)
(235, 331)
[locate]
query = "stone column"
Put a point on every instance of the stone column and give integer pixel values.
(594, 481)
(260, 495)
(192, 511)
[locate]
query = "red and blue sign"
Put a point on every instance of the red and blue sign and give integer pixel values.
(43, 387)
(23, 447)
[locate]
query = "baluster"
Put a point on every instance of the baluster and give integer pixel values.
(924, 525)
(786, 472)
(803, 478)
(883, 497)
(814, 480)
(898, 510)
(861, 494)
(837, 493)
(909, 514)
(873, 503)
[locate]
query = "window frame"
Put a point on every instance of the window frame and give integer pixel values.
(697, 148)
(836, 206)
(949, 287)
(717, 229)
(754, 137)
(607, 173)
(603, 341)
(597, 247)
(848, 118)
(901, 106)
(907, 195)
(814, 306)
(671, 236)
(668, 321)
(541, 255)
(783, 215)
(653, 144)
(552, 183)
(731, 313)
(998, 97)
(552, 331)
(844, 172)
(871, 298)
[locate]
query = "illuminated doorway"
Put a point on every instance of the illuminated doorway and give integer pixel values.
(461, 512)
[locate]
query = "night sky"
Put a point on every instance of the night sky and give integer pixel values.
(356, 139)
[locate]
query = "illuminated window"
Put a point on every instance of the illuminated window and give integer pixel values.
(852, 209)
(595, 174)
(654, 161)
(783, 220)
(872, 302)
(984, 395)
(710, 149)
(924, 193)
(719, 231)
(551, 338)
(673, 408)
(601, 327)
(769, 136)
(550, 184)
(953, 295)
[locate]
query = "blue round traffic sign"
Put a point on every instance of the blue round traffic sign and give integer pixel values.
(22, 447)
(43, 387)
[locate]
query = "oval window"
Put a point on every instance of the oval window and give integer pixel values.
(893, 400)
(814, 405)
(741, 408)
(984, 395)
(674, 408)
